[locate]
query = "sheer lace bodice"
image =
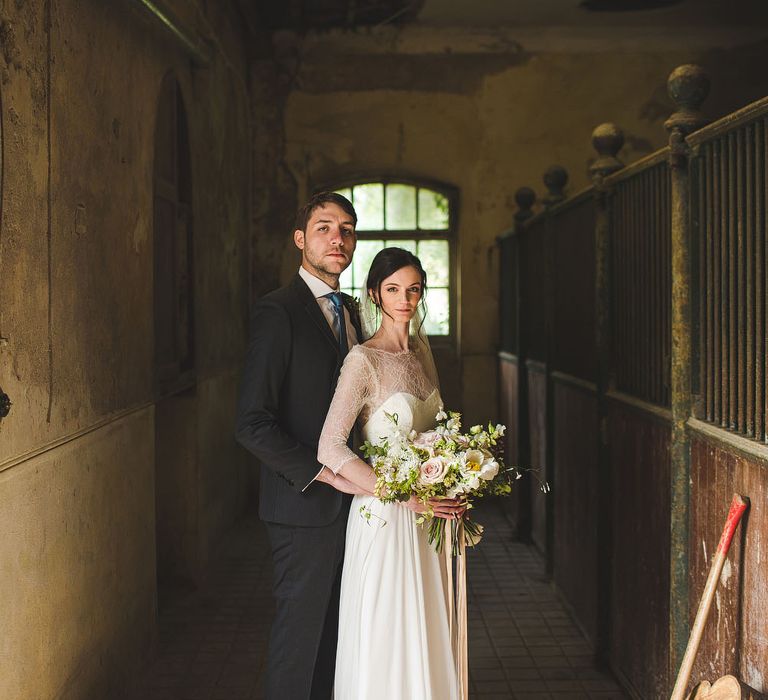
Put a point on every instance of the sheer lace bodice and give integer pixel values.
(373, 382)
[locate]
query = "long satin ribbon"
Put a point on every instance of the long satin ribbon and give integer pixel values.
(462, 656)
(458, 608)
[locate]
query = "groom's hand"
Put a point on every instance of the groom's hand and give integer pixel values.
(326, 476)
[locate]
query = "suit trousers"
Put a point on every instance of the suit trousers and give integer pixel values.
(307, 565)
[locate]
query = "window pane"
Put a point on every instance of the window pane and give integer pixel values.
(361, 261)
(435, 259)
(345, 279)
(438, 312)
(346, 192)
(409, 245)
(433, 210)
(369, 205)
(401, 207)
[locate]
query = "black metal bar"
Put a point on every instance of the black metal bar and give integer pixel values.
(723, 335)
(749, 262)
(709, 235)
(732, 291)
(739, 213)
(666, 278)
(760, 287)
(655, 336)
(764, 273)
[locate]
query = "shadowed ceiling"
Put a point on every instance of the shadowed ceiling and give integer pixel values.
(324, 14)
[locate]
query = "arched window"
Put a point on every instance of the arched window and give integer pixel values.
(172, 226)
(415, 216)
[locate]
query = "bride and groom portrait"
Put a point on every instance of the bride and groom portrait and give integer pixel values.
(362, 600)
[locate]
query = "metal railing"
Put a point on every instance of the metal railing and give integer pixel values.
(729, 178)
(653, 284)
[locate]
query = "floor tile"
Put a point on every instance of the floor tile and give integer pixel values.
(524, 645)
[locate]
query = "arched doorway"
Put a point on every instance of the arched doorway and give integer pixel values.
(176, 502)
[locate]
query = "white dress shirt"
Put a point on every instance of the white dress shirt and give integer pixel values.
(320, 289)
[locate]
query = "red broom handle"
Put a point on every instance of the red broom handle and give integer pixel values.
(738, 506)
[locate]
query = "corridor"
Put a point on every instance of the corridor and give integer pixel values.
(523, 644)
(539, 158)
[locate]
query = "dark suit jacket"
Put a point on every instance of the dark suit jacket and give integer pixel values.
(290, 375)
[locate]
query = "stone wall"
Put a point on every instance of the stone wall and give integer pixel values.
(86, 440)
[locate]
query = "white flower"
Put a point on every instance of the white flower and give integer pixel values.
(441, 415)
(471, 483)
(475, 429)
(500, 429)
(480, 463)
(458, 489)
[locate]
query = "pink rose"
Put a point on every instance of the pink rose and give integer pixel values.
(433, 471)
(427, 440)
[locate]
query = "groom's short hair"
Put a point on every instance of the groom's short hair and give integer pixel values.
(320, 199)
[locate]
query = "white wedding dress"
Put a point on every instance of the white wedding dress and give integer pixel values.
(394, 636)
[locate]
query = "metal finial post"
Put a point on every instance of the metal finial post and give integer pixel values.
(524, 198)
(607, 140)
(688, 87)
(555, 179)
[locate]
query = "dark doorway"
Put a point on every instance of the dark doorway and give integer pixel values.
(176, 482)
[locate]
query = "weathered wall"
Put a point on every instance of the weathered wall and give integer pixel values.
(78, 458)
(488, 111)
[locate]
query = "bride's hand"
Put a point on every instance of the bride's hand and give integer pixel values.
(447, 508)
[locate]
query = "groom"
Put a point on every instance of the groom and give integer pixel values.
(300, 335)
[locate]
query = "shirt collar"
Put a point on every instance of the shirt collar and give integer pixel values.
(315, 284)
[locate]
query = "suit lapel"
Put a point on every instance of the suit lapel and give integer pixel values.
(313, 309)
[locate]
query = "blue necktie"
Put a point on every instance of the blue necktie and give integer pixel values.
(338, 306)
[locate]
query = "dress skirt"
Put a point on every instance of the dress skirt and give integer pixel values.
(394, 637)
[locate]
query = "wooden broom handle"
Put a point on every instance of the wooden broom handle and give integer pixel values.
(738, 506)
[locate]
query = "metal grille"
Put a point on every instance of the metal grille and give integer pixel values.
(573, 282)
(508, 294)
(642, 283)
(730, 176)
(534, 277)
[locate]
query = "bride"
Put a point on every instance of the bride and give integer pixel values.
(394, 631)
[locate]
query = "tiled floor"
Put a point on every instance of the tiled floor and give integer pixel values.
(523, 644)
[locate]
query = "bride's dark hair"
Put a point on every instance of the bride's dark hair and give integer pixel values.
(386, 263)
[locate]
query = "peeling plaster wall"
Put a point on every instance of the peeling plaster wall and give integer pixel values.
(488, 111)
(79, 82)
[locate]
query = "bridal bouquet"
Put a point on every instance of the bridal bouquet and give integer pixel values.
(442, 462)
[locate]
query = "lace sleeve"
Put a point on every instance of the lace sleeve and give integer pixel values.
(355, 387)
